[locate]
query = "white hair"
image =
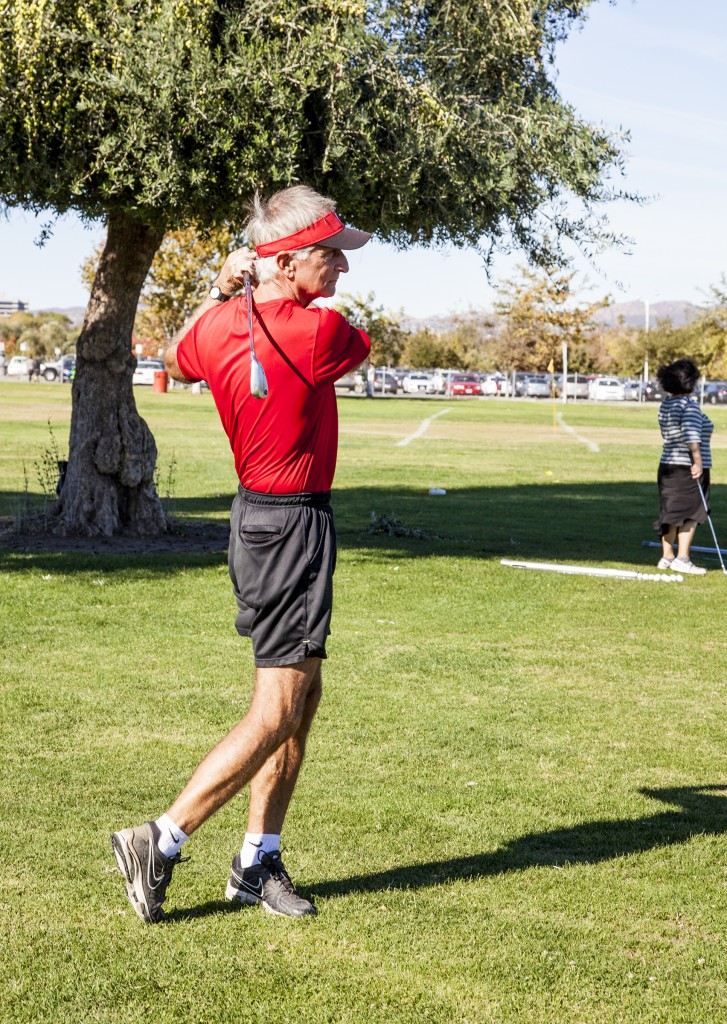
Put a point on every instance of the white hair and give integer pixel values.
(281, 215)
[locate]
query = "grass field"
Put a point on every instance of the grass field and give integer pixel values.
(515, 802)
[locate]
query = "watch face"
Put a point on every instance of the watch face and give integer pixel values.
(215, 292)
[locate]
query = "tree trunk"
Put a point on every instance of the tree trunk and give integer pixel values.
(109, 483)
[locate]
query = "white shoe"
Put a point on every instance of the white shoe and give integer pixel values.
(688, 567)
(664, 563)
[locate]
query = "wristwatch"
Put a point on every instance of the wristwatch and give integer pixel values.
(216, 293)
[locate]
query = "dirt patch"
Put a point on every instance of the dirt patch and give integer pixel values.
(182, 538)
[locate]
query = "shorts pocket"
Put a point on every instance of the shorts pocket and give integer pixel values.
(262, 525)
(260, 534)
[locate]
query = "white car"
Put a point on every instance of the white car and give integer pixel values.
(576, 385)
(145, 370)
(606, 389)
(496, 384)
(417, 384)
(18, 367)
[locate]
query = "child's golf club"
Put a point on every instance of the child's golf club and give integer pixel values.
(258, 380)
(709, 520)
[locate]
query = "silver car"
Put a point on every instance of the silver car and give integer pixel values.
(537, 387)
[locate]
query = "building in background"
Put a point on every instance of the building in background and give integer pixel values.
(10, 306)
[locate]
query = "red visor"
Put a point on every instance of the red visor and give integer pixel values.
(328, 229)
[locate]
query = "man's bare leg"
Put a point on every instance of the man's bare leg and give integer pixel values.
(281, 704)
(272, 788)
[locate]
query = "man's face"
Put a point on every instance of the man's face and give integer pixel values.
(317, 276)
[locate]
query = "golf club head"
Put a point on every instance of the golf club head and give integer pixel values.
(258, 380)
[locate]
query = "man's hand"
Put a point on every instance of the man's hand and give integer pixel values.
(231, 277)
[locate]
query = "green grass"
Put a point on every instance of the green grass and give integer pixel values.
(515, 802)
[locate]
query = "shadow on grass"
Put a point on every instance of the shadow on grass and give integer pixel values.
(604, 522)
(703, 812)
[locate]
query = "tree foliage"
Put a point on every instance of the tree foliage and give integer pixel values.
(428, 121)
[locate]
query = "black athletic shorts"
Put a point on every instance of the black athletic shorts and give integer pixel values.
(282, 557)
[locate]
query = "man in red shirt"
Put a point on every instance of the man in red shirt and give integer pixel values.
(282, 542)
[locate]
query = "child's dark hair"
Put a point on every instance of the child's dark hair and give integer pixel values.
(678, 378)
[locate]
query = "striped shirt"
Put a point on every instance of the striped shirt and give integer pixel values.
(683, 423)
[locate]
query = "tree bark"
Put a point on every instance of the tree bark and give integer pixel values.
(109, 483)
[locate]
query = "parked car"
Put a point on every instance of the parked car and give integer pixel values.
(632, 390)
(60, 368)
(145, 370)
(521, 380)
(576, 385)
(18, 366)
(495, 384)
(464, 384)
(537, 386)
(652, 391)
(350, 381)
(385, 382)
(606, 389)
(417, 383)
(715, 392)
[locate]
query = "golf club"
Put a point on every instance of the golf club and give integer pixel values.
(258, 380)
(709, 520)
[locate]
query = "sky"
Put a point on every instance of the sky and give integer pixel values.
(652, 67)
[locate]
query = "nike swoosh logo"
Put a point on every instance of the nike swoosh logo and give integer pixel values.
(256, 890)
(153, 877)
(175, 839)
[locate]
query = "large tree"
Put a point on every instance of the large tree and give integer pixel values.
(427, 121)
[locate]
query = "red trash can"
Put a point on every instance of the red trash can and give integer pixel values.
(161, 381)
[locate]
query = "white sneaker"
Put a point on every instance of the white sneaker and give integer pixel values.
(664, 563)
(687, 566)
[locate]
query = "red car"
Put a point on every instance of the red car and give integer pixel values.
(464, 384)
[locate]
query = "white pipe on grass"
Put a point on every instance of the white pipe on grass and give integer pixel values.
(694, 547)
(587, 570)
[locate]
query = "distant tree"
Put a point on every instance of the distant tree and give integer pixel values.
(428, 122)
(472, 338)
(425, 350)
(41, 333)
(538, 313)
(713, 324)
(384, 329)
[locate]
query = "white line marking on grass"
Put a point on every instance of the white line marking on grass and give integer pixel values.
(592, 446)
(422, 428)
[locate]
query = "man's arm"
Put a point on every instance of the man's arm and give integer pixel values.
(230, 278)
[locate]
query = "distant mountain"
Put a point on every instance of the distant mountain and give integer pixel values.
(74, 313)
(633, 314)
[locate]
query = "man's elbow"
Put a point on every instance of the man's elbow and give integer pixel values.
(171, 364)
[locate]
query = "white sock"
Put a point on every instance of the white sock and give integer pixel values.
(255, 844)
(171, 836)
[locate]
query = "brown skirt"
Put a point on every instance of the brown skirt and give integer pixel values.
(680, 501)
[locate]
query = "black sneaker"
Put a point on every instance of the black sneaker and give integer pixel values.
(268, 883)
(146, 870)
